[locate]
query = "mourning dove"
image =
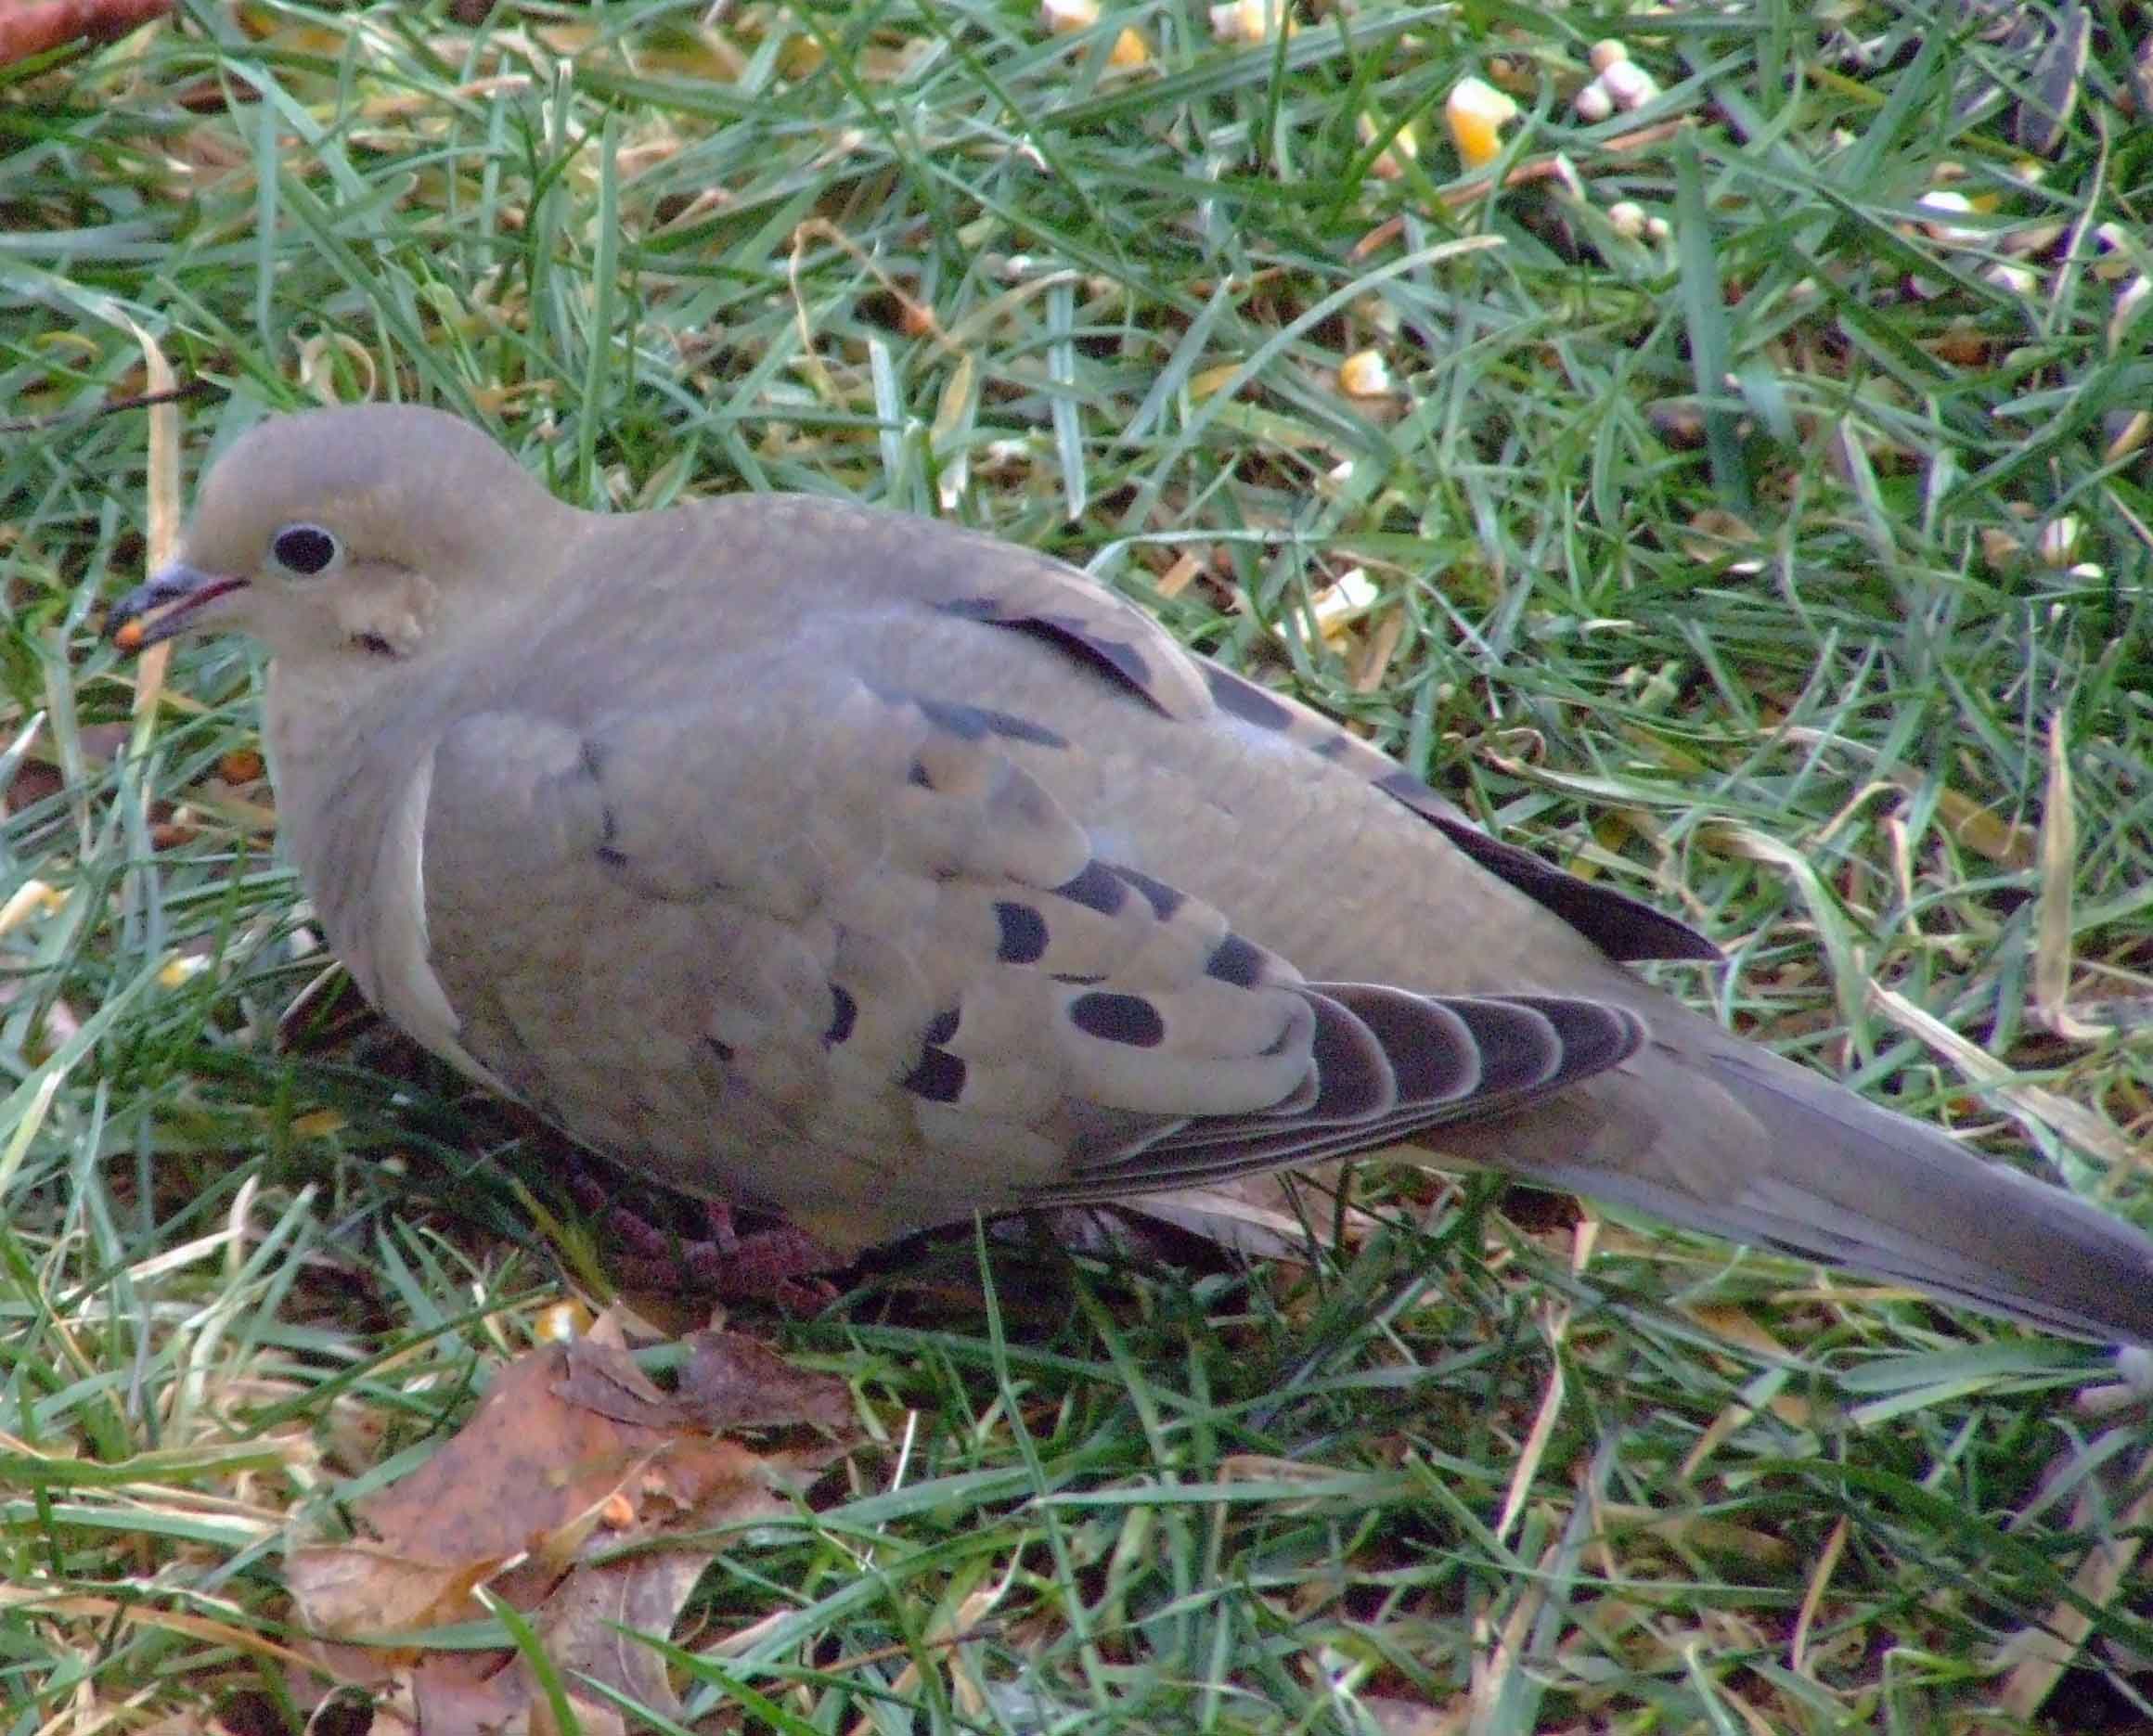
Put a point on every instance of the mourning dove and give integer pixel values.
(818, 858)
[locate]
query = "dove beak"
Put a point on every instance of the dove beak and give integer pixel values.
(166, 606)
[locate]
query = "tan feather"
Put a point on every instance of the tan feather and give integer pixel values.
(877, 872)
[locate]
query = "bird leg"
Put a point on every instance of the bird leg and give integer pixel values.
(779, 1264)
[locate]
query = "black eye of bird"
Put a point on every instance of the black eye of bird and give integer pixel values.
(305, 549)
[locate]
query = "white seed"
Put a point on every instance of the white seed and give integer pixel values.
(1945, 203)
(2130, 303)
(1354, 593)
(2059, 541)
(1248, 20)
(1630, 85)
(2114, 242)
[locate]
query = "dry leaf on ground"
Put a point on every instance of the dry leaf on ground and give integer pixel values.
(549, 1500)
(40, 26)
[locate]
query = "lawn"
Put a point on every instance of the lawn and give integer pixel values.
(1742, 497)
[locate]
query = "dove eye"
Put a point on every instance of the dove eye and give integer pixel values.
(304, 551)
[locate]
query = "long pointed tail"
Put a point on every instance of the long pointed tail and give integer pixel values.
(1717, 1135)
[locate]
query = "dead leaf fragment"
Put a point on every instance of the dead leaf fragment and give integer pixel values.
(363, 1588)
(564, 1496)
(733, 1382)
(40, 26)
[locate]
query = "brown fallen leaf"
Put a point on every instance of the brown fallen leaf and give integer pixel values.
(557, 1499)
(525, 1465)
(35, 27)
(37, 777)
(732, 1381)
(363, 1588)
(601, 1378)
(581, 1624)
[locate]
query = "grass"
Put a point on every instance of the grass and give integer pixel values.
(1793, 567)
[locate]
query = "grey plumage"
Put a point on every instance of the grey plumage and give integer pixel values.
(825, 859)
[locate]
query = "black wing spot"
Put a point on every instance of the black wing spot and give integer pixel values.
(722, 1050)
(1238, 961)
(940, 1029)
(916, 775)
(1248, 702)
(1073, 634)
(974, 723)
(939, 1077)
(1622, 927)
(1119, 655)
(844, 1010)
(1097, 888)
(1163, 898)
(1023, 932)
(1128, 1019)
(609, 826)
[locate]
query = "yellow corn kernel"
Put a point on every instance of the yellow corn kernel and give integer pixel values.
(1364, 374)
(1477, 112)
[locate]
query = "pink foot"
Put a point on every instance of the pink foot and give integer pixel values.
(775, 1265)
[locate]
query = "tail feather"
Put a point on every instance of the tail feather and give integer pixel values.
(1726, 1139)
(1911, 1203)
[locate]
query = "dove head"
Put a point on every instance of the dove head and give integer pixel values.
(356, 532)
